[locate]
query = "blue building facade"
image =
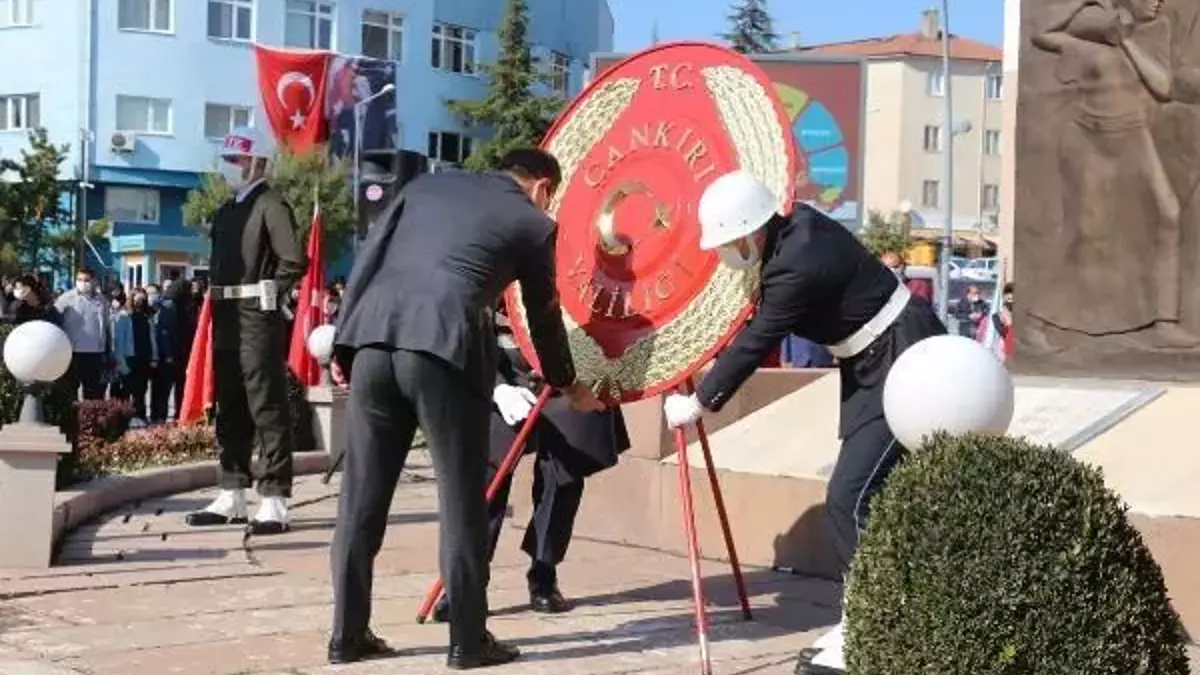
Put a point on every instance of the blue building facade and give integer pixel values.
(143, 89)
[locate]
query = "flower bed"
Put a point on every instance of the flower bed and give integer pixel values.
(147, 448)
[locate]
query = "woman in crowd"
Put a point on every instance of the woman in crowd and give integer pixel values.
(30, 302)
(135, 350)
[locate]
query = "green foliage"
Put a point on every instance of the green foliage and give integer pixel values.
(146, 448)
(882, 233)
(751, 29)
(516, 115)
(299, 178)
(31, 214)
(993, 556)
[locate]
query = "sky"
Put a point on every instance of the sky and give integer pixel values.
(816, 21)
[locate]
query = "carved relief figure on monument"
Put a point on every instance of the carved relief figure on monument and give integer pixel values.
(1116, 218)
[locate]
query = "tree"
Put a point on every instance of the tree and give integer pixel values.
(298, 177)
(751, 28)
(886, 233)
(31, 205)
(515, 113)
(60, 246)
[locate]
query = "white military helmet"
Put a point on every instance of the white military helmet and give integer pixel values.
(733, 206)
(247, 142)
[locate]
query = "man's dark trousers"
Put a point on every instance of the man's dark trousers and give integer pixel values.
(392, 392)
(251, 396)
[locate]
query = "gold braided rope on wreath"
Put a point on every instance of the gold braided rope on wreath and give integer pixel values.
(748, 115)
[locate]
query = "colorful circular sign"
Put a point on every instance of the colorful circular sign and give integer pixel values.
(824, 161)
(644, 306)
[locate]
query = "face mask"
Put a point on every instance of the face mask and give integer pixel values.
(21, 293)
(732, 256)
(233, 175)
(84, 287)
(152, 298)
(116, 304)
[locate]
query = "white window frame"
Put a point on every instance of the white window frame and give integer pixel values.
(158, 272)
(435, 139)
(933, 138)
(142, 217)
(14, 105)
(935, 83)
(993, 86)
(991, 142)
(931, 194)
(152, 14)
(234, 6)
(322, 10)
(560, 72)
(19, 14)
(989, 197)
(149, 123)
(441, 38)
(390, 22)
(232, 111)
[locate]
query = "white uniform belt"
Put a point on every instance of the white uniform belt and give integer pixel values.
(237, 292)
(864, 337)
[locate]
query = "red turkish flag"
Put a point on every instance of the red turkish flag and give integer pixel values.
(292, 86)
(309, 310)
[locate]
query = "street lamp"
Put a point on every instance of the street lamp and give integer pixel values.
(320, 345)
(37, 353)
(948, 168)
(360, 109)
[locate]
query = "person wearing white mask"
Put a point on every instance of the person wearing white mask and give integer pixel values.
(85, 320)
(820, 283)
(255, 264)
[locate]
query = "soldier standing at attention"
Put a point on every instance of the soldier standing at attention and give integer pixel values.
(255, 263)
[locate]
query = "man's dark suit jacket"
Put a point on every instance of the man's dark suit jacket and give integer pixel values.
(432, 268)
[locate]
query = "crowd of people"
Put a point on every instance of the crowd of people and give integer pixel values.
(127, 343)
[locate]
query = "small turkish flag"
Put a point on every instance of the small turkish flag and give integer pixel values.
(292, 86)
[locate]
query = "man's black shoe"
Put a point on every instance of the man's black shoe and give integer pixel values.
(548, 602)
(210, 519)
(489, 652)
(805, 666)
(364, 648)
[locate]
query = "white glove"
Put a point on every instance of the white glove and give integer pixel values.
(680, 410)
(514, 403)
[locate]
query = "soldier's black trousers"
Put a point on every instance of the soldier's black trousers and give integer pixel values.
(555, 504)
(391, 392)
(250, 387)
(867, 456)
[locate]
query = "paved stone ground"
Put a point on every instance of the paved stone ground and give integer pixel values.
(138, 594)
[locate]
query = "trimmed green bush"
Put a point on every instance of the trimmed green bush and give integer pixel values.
(994, 556)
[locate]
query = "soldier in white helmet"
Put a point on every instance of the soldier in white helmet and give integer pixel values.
(819, 283)
(255, 263)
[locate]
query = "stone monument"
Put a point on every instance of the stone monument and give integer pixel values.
(1107, 223)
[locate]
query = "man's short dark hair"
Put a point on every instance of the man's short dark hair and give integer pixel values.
(532, 164)
(85, 272)
(1008, 288)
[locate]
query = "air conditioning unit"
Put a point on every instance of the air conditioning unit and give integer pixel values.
(123, 142)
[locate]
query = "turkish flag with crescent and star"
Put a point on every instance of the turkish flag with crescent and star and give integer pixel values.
(292, 86)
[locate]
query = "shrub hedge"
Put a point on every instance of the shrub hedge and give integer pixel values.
(994, 556)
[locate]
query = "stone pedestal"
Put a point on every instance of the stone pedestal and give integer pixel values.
(28, 464)
(329, 417)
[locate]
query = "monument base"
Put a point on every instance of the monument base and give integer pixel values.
(329, 417)
(28, 464)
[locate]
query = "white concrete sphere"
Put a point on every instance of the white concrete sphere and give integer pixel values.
(320, 342)
(37, 351)
(947, 383)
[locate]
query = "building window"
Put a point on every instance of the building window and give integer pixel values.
(933, 138)
(446, 146)
(453, 48)
(309, 25)
(131, 205)
(935, 83)
(383, 35)
(221, 119)
(991, 142)
(147, 15)
(929, 194)
(990, 197)
(994, 87)
(560, 72)
(144, 115)
(19, 112)
(230, 19)
(16, 13)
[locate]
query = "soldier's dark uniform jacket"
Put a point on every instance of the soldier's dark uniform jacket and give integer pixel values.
(253, 239)
(820, 283)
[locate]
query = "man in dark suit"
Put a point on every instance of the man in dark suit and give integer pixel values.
(818, 282)
(416, 344)
(569, 446)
